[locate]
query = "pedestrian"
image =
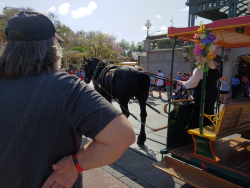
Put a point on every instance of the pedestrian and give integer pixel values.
(248, 90)
(235, 83)
(185, 77)
(190, 75)
(45, 113)
(81, 75)
(151, 85)
(178, 79)
(159, 82)
(244, 82)
(224, 89)
(169, 86)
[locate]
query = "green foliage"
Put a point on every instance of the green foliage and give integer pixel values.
(97, 44)
(165, 43)
(132, 48)
(190, 51)
(61, 29)
(80, 49)
(8, 13)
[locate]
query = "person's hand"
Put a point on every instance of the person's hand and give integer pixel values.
(64, 175)
(181, 83)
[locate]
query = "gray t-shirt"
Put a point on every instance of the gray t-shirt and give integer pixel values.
(42, 119)
(224, 86)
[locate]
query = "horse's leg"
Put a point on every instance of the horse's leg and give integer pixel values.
(142, 136)
(124, 104)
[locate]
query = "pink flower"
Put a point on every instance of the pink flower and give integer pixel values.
(196, 36)
(197, 49)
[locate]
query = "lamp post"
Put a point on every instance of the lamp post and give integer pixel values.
(139, 53)
(148, 25)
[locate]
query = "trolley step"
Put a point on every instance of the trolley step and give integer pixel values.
(191, 175)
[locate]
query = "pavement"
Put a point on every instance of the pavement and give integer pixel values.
(134, 168)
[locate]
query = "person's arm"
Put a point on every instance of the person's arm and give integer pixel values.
(90, 114)
(107, 147)
(111, 142)
(194, 80)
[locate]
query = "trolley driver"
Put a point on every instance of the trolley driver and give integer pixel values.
(195, 82)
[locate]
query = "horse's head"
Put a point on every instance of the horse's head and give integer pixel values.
(90, 68)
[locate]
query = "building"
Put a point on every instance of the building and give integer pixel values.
(159, 55)
(235, 61)
(216, 9)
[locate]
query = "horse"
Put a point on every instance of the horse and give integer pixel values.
(122, 83)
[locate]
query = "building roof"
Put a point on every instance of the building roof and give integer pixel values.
(217, 10)
(159, 35)
(241, 8)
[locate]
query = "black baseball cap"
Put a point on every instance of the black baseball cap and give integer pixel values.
(31, 26)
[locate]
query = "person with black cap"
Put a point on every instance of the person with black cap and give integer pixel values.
(44, 113)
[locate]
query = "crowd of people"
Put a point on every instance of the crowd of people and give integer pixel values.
(160, 83)
(78, 72)
(225, 85)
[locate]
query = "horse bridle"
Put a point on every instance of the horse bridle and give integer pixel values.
(91, 77)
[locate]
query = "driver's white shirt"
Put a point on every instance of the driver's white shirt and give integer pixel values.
(194, 80)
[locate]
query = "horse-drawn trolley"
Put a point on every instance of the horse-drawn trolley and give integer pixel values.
(212, 155)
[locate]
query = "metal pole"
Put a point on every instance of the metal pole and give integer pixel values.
(139, 60)
(218, 87)
(202, 105)
(169, 106)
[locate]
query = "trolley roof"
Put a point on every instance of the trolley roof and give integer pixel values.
(225, 31)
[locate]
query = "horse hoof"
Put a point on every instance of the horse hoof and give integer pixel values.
(141, 141)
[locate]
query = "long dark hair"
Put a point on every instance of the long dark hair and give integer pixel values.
(29, 57)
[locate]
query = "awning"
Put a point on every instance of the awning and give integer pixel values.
(225, 31)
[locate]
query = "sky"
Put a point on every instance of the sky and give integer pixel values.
(124, 18)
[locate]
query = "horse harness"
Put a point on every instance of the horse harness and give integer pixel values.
(101, 76)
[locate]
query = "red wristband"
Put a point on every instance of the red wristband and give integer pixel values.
(76, 163)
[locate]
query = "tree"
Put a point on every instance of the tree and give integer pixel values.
(125, 45)
(97, 44)
(116, 47)
(80, 49)
(8, 13)
(62, 30)
(132, 48)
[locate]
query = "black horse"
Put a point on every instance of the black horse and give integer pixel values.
(122, 83)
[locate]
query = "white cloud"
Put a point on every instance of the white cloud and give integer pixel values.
(52, 8)
(153, 27)
(184, 9)
(64, 8)
(79, 13)
(158, 16)
(163, 28)
(143, 28)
